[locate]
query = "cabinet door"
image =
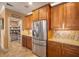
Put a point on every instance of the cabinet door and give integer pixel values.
(29, 42)
(24, 41)
(70, 50)
(26, 22)
(44, 14)
(57, 16)
(72, 18)
(30, 21)
(35, 15)
(54, 49)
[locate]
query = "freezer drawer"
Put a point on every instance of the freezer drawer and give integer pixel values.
(35, 49)
(39, 50)
(42, 51)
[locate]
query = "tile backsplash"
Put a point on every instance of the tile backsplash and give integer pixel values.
(70, 35)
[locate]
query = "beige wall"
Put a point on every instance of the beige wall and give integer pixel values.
(8, 13)
(2, 14)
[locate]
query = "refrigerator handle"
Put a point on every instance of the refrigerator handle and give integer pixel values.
(33, 32)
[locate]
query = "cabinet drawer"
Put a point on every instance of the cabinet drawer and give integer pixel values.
(54, 44)
(29, 42)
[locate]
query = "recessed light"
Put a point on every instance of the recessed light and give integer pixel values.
(30, 3)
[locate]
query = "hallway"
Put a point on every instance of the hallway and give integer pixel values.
(16, 50)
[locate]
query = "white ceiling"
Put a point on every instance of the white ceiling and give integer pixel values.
(20, 6)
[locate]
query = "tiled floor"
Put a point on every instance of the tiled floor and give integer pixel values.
(16, 50)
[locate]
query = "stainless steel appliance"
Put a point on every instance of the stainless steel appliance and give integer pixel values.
(39, 35)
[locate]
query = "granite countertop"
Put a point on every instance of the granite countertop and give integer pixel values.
(27, 33)
(67, 41)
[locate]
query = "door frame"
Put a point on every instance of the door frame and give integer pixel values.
(9, 39)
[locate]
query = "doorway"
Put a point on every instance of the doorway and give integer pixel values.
(14, 30)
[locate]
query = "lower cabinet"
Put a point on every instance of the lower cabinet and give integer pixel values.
(70, 50)
(56, 49)
(27, 41)
(24, 41)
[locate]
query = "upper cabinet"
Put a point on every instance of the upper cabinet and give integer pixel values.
(30, 21)
(27, 22)
(57, 16)
(65, 16)
(35, 15)
(62, 16)
(43, 13)
(72, 15)
(24, 23)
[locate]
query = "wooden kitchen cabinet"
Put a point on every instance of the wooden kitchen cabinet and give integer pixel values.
(35, 15)
(24, 41)
(45, 14)
(57, 16)
(70, 50)
(72, 15)
(54, 49)
(27, 22)
(65, 15)
(27, 42)
(30, 21)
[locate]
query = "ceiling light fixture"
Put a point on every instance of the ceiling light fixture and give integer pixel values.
(30, 3)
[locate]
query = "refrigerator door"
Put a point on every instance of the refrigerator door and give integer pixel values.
(42, 51)
(35, 30)
(35, 49)
(42, 30)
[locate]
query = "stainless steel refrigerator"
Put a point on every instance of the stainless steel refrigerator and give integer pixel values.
(39, 37)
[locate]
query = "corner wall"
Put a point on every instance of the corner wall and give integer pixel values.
(6, 13)
(9, 13)
(2, 14)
